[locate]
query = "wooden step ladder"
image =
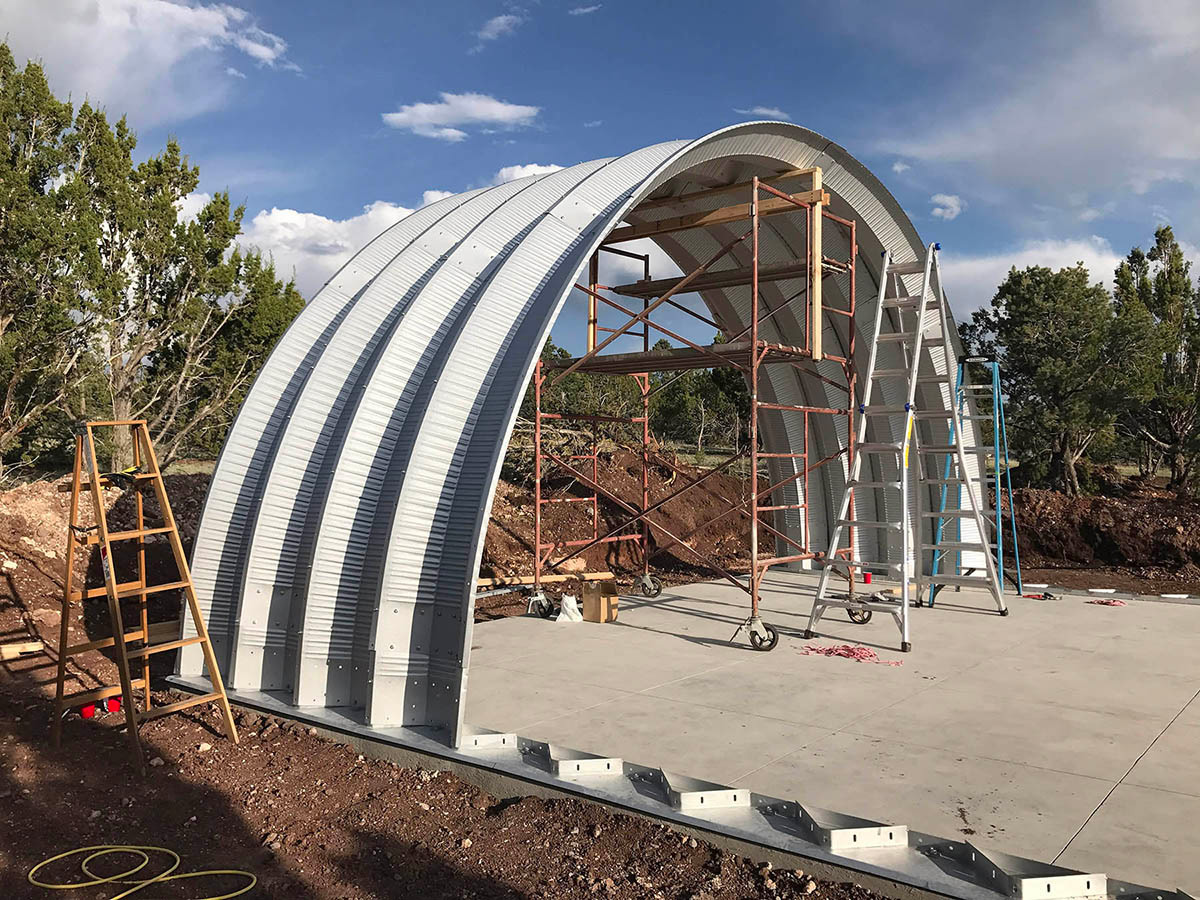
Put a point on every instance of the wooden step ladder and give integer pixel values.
(146, 638)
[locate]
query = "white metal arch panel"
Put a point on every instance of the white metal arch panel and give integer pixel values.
(452, 576)
(231, 501)
(420, 535)
(333, 638)
(282, 529)
(432, 522)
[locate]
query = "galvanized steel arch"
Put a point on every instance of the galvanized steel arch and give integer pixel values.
(340, 539)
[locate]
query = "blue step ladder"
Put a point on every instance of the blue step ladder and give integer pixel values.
(947, 547)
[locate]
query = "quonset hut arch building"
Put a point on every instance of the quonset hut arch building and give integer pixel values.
(338, 548)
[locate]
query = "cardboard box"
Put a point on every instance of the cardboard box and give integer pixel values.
(600, 601)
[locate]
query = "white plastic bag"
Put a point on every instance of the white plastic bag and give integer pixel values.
(570, 610)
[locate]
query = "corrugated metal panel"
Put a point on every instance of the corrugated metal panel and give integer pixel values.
(429, 530)
(375, 497)
(284, 527)
(218, 555)
(370, 467)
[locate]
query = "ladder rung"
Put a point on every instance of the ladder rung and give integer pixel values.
(943, 481)
(959, 545)
(861, 523)
(862, 564)
(946, 449)
(876, 409)
(130, 589)
(162, 648)
(76, 649)
(916, 267)
(956, 579)
(934, 413)
(176, 707)
(877, 448)
(153, 588)
(905, 373)
(102, 591)
(875, 605)
(100, 693)
(126, 535)
(875, 484)
(158, 630)
(974, 418)
(950, 514)
(105, 481)
(893, 337)
(908, 301)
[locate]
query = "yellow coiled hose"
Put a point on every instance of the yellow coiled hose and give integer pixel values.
(125, 877)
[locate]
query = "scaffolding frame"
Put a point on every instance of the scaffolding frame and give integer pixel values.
(744, 350)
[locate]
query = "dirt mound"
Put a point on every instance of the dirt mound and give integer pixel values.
(1144, 535)
(33, 537)
(33, 525)
(508, 549)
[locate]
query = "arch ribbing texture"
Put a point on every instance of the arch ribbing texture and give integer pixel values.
(340, 540)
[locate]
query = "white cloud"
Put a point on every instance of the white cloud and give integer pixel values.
(583, 10)
(439, 120)
(766, 112)
(1100, 99)
(512, 173)
(947, 206)
(311, 246)
(971, 281)
(235, 73)
(434, 196)
(157, 60)
(189, 207)
(594, 123)
(1092, 213)
(900, 166)
(495, 28)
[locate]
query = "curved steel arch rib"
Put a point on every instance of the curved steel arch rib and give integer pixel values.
(343, 529)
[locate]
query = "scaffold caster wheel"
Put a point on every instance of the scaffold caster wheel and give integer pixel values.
(859, 616)
(542, 606)
(905, 647)
(758, 642)
(651, 586)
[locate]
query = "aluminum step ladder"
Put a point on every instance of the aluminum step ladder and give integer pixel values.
(973, 399)
(919, 316)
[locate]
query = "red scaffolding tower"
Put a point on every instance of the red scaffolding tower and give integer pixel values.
(744, 350)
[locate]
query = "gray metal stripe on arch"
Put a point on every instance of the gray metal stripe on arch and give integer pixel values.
(341, 537)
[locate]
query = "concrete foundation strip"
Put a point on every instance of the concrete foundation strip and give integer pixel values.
(844, 846)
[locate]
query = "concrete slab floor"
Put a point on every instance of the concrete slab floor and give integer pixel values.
(1065, 731)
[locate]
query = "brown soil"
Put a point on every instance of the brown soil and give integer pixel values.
(508, 548)
(1144, 540)
(310, 819)
(305, 815)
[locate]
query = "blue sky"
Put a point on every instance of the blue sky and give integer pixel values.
(1014, 133)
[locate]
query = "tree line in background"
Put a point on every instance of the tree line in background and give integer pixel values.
(112, 303)
(702, 411)
(1093, 377)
